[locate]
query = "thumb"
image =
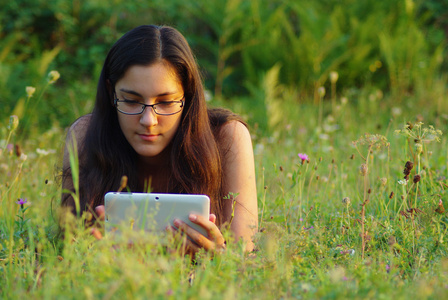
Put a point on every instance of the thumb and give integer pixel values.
(100, 212)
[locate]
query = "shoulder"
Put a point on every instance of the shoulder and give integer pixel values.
(237, 144)
(234, 131)
(79, 128)
(75, 136)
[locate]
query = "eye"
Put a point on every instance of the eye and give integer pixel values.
(131, 102)
(166, 103)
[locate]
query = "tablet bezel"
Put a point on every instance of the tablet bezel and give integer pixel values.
(129, 209)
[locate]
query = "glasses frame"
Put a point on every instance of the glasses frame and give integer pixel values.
(153, 106)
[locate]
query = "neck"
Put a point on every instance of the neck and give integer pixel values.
(154, 172)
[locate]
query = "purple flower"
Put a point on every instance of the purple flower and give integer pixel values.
(303, 157)
(21, 201)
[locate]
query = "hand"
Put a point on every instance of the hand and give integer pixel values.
(100, 212)
(214, 241)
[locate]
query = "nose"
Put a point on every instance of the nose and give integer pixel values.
(149, 117)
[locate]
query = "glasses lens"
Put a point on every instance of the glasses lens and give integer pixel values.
(168, 108)
(129, 107)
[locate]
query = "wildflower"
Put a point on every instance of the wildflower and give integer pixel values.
(44, 152)
(346, 201)
(440, 209)
(10, 148)
(13, 122)
(396, 111)
(383, 181)
(53, 76)
(30, 91)
(363, 169)
(303, 157)
(321, 91)
(403, 182)
(21, 202)
(334, 76)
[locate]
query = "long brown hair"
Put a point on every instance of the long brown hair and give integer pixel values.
(195, 158)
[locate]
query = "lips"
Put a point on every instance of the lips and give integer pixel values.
(149, 137)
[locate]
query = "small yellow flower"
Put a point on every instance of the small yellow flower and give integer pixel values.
(53, 76)
(30, 91)
(334, 76)
(13, 122)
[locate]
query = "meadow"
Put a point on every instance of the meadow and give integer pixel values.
(350, 145)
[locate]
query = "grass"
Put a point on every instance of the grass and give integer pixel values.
(329, 228)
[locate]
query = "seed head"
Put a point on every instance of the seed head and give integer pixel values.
(391, 195)
(418, 148)
(18, 150)
(417, 178)
(383, 181)
(409, 165)
(363, 169)
(321, 91)
(346, 201)
(13, 122)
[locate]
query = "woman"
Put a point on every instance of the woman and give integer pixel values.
(151, 123)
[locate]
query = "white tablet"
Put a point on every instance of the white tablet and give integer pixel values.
(152, 212)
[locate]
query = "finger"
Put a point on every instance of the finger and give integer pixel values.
(212, 218)
(186, 245)
(190, 248)
(197, 237)
(213, 231)
(96, 233)
(100, 212)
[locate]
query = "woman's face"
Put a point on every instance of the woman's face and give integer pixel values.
(148, 133)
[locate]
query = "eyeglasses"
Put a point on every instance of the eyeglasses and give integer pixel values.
(164, 108)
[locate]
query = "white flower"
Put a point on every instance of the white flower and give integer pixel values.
(30, 91)
(334, 76)
(321, 91)
(403, 182)
(53, 76)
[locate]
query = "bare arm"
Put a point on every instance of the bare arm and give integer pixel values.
(239, 178)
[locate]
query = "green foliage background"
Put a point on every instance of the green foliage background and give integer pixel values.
(268, 60)
(395, 46)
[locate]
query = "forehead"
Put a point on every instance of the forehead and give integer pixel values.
(152, 80)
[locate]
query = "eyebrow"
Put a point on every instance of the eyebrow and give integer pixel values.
(139, 95)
